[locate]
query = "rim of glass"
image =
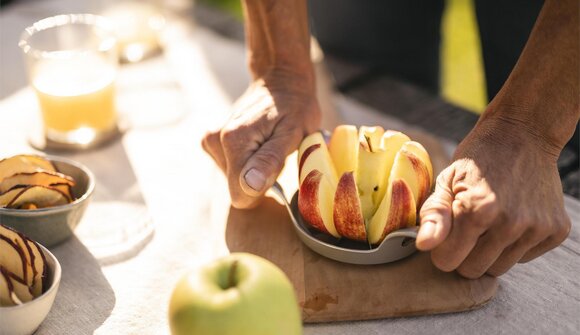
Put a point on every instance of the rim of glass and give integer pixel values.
(61, 20)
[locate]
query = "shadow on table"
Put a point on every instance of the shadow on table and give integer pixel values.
(85, 299)
(117, 224)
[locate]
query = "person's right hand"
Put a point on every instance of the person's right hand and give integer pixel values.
(267, 123)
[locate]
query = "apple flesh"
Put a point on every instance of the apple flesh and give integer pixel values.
(22, 266)
(365, 184)
(39, 196)
(24, 163)
(40, 178)
(240, 294)
(31, 182)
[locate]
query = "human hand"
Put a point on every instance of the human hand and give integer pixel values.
(499, 203)
(267, 123)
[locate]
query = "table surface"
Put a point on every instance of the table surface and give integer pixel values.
(159, 174)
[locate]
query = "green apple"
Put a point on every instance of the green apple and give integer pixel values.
(241, 294)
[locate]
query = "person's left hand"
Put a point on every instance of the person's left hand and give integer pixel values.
(499, 203)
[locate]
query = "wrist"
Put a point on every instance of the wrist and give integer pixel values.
(506, 127)
(289, 79)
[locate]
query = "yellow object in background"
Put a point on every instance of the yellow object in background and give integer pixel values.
(463, 79)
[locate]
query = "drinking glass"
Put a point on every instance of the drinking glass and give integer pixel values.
(72, 63)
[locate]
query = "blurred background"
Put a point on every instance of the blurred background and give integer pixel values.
(463, 79)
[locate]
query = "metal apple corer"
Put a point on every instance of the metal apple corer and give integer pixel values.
(396, 245)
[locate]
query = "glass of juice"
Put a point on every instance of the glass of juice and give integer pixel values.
(72, 64)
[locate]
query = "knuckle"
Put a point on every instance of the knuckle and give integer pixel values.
(210, 140)
(470, 271)
(269, 158)
(563, 230)
(497, 270)
(442, 262)
(230, 135)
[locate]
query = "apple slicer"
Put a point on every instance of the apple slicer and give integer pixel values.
(396, 245)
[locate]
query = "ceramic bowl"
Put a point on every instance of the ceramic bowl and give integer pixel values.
(25, 319)
(50, 226)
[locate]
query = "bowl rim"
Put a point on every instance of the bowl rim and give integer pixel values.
(61, 208)
(57, 274)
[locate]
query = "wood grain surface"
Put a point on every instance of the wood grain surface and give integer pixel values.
(332, 291)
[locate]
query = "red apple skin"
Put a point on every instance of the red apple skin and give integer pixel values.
(305, 155)
(308, 200)
(423, 177)
(402, 213)
(347, 213)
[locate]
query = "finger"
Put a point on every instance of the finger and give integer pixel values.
(488, 250)
(474, 211)
(238, 144)
(264, 166)
(248, 176)
(550, 243)
(514, 253)
(212, 144)
(436, 219)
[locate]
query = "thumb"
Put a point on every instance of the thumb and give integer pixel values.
(436, 213)
(264, 165)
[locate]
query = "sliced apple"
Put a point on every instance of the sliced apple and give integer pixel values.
(372, 182)
(418, 150)
(347, 213)
(397, 210)
(12, 257)
(40, 196)
(315, 202)
(371, 168)
(343, 148)
(414, 171)
(313, 155)
(6, 198)
(24, 164)
(23, 264)
(39, 266)
(20, 241)
(20, 288)
(41, 178)
(391, 143)
(7, 295)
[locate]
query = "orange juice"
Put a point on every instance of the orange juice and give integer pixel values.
(76, 94)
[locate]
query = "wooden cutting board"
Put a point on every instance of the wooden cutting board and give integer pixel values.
(328, 290)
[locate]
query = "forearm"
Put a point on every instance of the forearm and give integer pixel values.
(542, 94)
(278, 38)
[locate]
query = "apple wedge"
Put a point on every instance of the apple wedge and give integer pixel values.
(415, 172)
(313, 155)
(343, 148)
(34, 259)
(23, 266)
(40, 196)
(347, 213)
(40, 178)
(7, 295)
(397, 210)
(13, 258)
(7, 197)
(371, 167)
(21, 242)
(24, 164)
(19, 287)
(315, 202)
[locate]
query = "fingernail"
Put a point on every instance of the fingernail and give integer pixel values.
(255, 179)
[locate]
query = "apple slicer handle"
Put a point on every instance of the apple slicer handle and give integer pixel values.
(278, 191)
